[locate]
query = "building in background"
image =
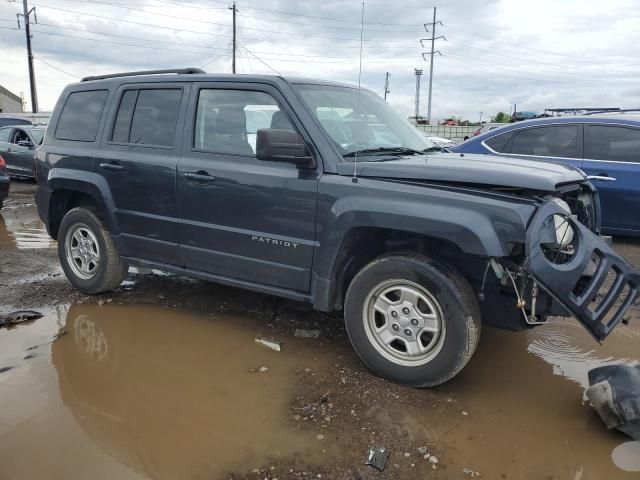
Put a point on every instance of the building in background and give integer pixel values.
(9, 102)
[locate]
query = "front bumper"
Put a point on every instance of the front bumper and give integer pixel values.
(577, 283)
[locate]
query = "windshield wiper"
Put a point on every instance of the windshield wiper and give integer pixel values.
(436, 149)
(384, 151)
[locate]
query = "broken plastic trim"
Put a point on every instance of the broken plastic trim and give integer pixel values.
(561, 280)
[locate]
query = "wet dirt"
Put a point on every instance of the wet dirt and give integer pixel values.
(161, 380)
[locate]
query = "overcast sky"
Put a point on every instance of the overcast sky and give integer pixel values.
(538, 54)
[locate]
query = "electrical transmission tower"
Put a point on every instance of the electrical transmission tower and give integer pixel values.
(418, 73)
(431, 54)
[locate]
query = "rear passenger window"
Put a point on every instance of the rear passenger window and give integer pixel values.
(4, 134)
(498, 142)
(556, 141)
(615, 143)
(147, 117)
(81, 115)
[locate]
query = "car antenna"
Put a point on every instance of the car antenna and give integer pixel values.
(355, 160)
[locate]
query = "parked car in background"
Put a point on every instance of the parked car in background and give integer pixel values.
(4, 182)
(6, 119)
(441, 141)
(605, 147)
(488, 126)
(17, 146)
(519, 116)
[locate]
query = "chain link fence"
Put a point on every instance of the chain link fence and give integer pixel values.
(456, 134)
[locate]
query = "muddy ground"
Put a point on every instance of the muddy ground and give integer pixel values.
(163, 379)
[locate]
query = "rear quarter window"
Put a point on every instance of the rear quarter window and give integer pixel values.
(80, 116)
(498, 142)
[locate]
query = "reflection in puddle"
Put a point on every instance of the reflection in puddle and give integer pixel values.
(567, 346)
(627, 456)
(21, 227)
(167, 395)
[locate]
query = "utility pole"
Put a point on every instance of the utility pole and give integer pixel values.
(418, 73)
(233, 61)
(386, 87)
(431, 54)
(27, 28)
(480, 122)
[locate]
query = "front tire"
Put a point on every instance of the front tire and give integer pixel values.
(412, 320)
(87, 253)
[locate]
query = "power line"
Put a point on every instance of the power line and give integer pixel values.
(335, 19)
(212, 60)
(518, 46)
(40, 59)
(119, 5)
(328, 26)
(133, 22)
(293, 56)
(261, 61)
(152, 47)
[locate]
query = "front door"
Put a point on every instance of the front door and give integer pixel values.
(612, 158)
(244, 219)
(20, 154)
(138, 159)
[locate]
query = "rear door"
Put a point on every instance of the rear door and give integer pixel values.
(138, 158)
(612, 157)
(244, 219)
(557, 143)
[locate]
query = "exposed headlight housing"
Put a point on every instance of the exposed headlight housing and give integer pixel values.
(564, 231)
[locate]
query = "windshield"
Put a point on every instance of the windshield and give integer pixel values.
(362, 121)
(37, 135)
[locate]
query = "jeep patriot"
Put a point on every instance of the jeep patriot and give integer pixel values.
(321, 193)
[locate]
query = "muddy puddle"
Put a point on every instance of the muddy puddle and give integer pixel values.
(20, 227)
(143, 392)
(147, 392)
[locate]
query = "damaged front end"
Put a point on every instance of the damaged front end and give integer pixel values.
(568, 264)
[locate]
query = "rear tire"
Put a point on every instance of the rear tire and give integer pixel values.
(87, 253)
(412, 320)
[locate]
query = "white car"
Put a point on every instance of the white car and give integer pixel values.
(441, 141)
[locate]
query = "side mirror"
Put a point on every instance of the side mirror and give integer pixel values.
(275, 145)
(25, 143)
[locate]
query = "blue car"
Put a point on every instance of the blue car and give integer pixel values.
(605, 147)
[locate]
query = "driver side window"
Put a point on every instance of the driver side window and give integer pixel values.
(227, 121)
(20, 136)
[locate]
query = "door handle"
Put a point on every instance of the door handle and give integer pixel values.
(603, 177)
(114, 167)
(200, 177)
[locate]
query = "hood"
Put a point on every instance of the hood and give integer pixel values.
(470, 169)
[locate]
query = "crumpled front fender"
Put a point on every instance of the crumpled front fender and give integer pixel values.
(572, 283)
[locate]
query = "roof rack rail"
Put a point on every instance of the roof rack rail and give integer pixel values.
(144, 72)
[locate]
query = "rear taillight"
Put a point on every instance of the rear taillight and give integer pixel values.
(2, 163)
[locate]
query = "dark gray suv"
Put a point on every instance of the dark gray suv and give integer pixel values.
(320, 192)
